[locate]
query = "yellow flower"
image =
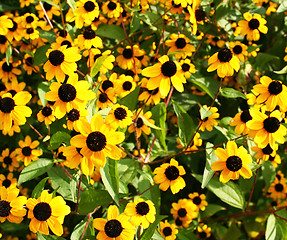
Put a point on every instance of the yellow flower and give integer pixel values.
(9, 72)
(89, 39)
(119, 116)
(128, 59)
(240, 120)
(210, 121)
(5, 23)
(86, 11)
(239, 50)
(167, 230)
(47, 115)
(278, 189)
(8, 182)
(9, 159)
(112, 9)
(198, 200)
(140, 123)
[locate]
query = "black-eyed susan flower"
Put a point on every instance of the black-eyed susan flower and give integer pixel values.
(252, 26)
(13, 87)
(9, 71)
(46, 114)
(140, 125)
(277, 189)
(124, 85)
(8, 181)
(86, 11)
(106, 98)
(149, 97)
(239, 50)
(169, 175)
(14, 109)
(5, 23)
(240, 120)
(141, 212)
(12, 206)
(61, 41)
(31, 34)
(60, 62)
(17, 31)
(196, 16)
(198, 200)
(112, 9)
(225, 63)
(28, 62)
(195, 144)
(69, 95)
(30, 20)
(107, 83)
(9, 160)
(272, 93)
(164, 73)
(128, 58)
(3, 44)
(47, 213)
(49, 9)
(187, 67)
(180, 44)
(185, 210)
(233, 161)
(14, 129)
(167, 230)
(77, 119)
(266, 129)
(116, 227)
(275, 160)
(215, 41)
(27, 152)
(210, 121)
(107, 64)
(97, 141)
(264, 153)
(119, 116)
(203, 231)
(89, 39)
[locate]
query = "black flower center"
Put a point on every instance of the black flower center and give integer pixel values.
(120, 113)
(267, 150)
(89, 33)
(47, 111)
(103, 98)
(129, 73)
(113, 228)
(245, 116)
(7, 160)
(215, 39)
(56, 57)
(253, 24)
(128, 53)
(168, 69)
(26, 151)
(6, 183)
(96, 141)
(185, 67)
(275, 87)
(180, 43)
(199, 15)
(6, 67)
(7, 105)
(29, 61)
(29, 19)
(182, 212)
(89, 6)
(67, 92)
(234, 163)
(142, 208)
(127, 85)
(112, 6)
(224, 55)
(73, 115)
(15, 25)
(202, 235)
(171, 173)
(271, 158)
(271, 124)
(139, 123)
(30, 30)
(63, 33)
(178, 222)
(107, 84)
(237, 49)
(167, 231)
(47, 6)
(3, 39)
(196, 200)
(279, 187)
(42, 211)
(67, 43)
(4, 208)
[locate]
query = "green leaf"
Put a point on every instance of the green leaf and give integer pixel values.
(185, 124)
(98, 64)
(185, 234)
(281, 224)
(39, 188)
(35, 169)
(92, 198)
(253, 48)
(111, 31)
(130, 100)
(282, 71)
(49, 35)
(233, 232)
(222, 10)
(40, 55)
(8, 8)
(206, 84)
(205, 112)
(127, 169)
(271, 230)
(149, 124)
(43, 88)
(231, 93)
(135, 23)
(79, 229)
(268, 173)
(48, 237)
(71, 3)
(211, 209)
(59, 138)
(51, 3)
(110, 178)
(159, 115)
(8, 54)
(263, 58)
(147, 234)
(282, 7)
(228, 192)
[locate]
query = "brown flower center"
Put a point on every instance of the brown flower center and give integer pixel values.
(56, 57)
(96, 141)
(234, 163)
(4, 208)
(271, 124)
(42, 211)
(171, 173)
(224, 55)
(168, 69)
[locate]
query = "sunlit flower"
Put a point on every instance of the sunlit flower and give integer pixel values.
(204, 231)
(198, 200)
(278, 189)
(112, 9)
(9, 71)
(240, 120)
(86, 11)
(185, 210)
(210, 121)
(167, 230)
(141, 123)
(119, 116)
(8, 181)
(180, 44)
(77, 119)
(49, 9)
(9, 160)
(89, 39)
(46, 114)
(239, 50)
(5, 23)
(107, 64)
(127, 59)
(187, 67)
(124, 85)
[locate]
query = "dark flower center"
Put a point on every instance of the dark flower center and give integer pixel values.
(67, 92)
(267, 150)
(103, 98)
(182, 212)
(196, 200)
(253, 24)
(245, 116)
(89, 33)
(142, 208)
(185, 67)
(6, 183)
(127, 85)
(128, 53)
(129, 73)
(120, 113)
(7, 160)
(29, 61)
(47, 111)
(178, 222)
(275, 87)
(67, 43)
(167, 231)
(29, 19)
(237, 49)
(199, 15)
(15, 25)
(279, 187)
(202, 235)
(112, 6)
(154, 91)
(3, 39)
(97, 56)
(63, 33)
(140, 122)
(30, 30)
(171, 173)
(96, 141)
(4, 208)
(168, 69)
(73, 115)
(89, 6)
(271, 158)
(234, 163)
(271, 124)
(7, 105)
(224, 55)
(6, 67)
(26, 151)
(107, 84)
(113, 228)
(180, 43)
(47, 6)
(175, 5)
(56, 57)
(42, 211)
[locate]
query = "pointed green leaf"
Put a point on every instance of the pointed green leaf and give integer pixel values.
(39, 188)
(97, 65)
(147, 234)
(231, 93)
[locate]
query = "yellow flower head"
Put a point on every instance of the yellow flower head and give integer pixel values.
(185, 210)
(167, 230)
